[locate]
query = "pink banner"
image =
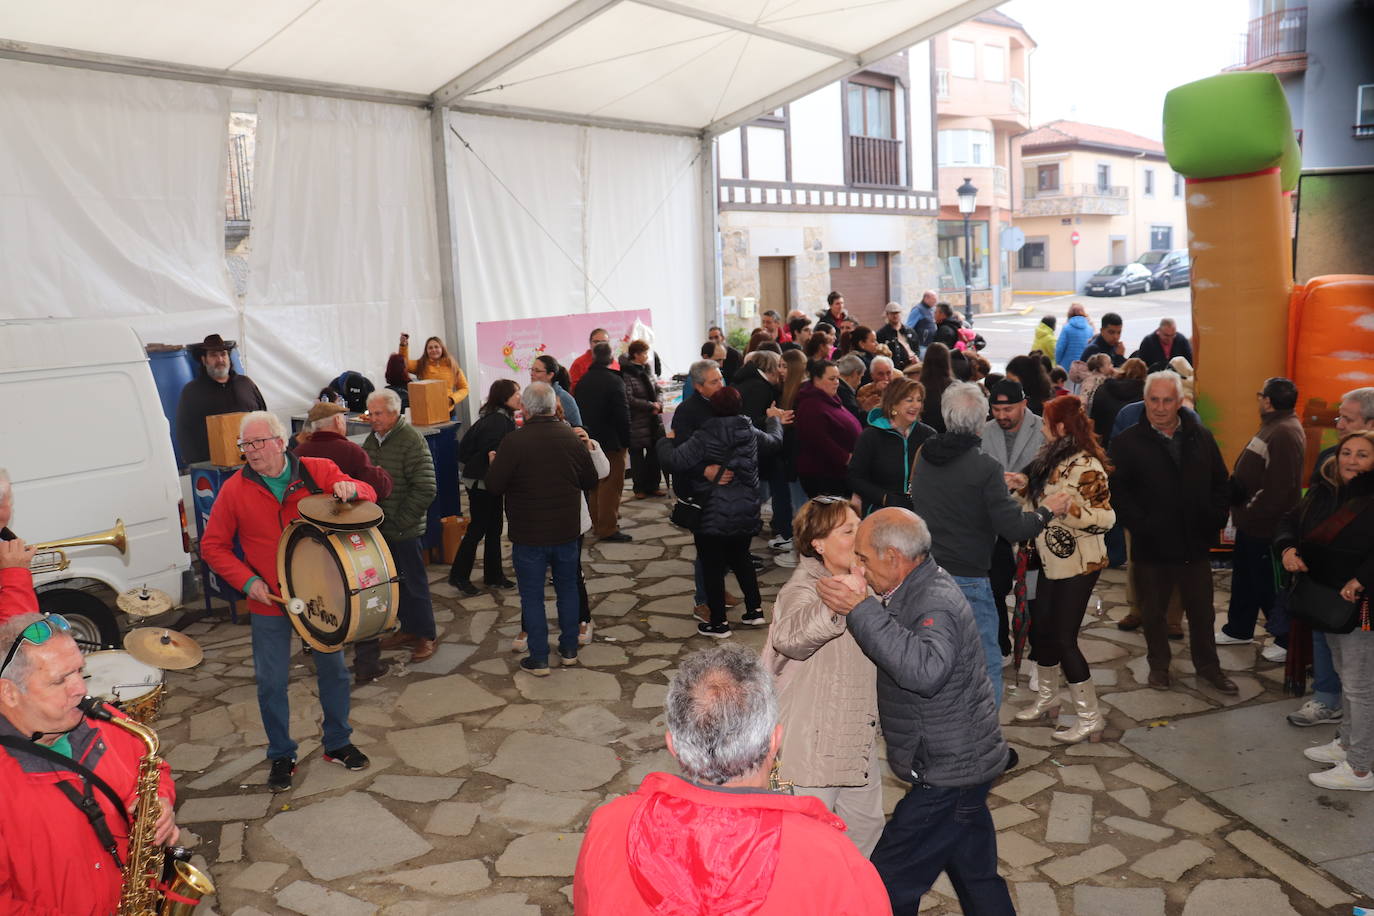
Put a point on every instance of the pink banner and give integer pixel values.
(505, 349)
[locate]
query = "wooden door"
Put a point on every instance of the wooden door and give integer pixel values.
(773, 286)
(861, 277)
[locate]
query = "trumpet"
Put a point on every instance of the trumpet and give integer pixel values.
(51, 556)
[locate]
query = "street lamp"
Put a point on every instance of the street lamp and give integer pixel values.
(968, 196)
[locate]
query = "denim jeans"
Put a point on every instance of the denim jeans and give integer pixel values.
(532, 564)
(978, 591)
(780, 492)
(1326, 682)
(272, 661)
(415, 612)
(1252, 588)
(935, 829)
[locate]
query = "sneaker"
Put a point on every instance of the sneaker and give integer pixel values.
(780, 543)
(753, 618)
(348, 757)
(1341, 776)
(279, 780)
(567, 660)
(1226, 639)
(714, 630)
(520, 643)
(538, 669)
(786, 560)
(1325, 753)
(1314, 712)
(1274, 653)
(584, 633)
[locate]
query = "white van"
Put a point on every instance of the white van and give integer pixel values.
(85, 443)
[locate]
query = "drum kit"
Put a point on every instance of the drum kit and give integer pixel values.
(339, 584)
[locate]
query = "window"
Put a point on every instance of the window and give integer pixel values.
(870, 259)
(1031, 256)
(1178, 187)
(962, 57)
(1149, 182)
(965, 147)
(834, 260)
(1161, 237)
(1104, 177)
(994, 63)
(1364, 110)
(870, 111)
(951, 253)
(1047, 177)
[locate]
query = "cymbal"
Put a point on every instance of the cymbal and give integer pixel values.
(328, 512)
(163, 648)
(144, 602)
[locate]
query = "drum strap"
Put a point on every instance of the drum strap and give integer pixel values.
(84, 801)
(305, 480)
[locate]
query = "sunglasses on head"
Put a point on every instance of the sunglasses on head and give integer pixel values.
(37, 633)
(828, 500)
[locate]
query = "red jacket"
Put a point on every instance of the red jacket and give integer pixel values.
(581, 365)
(51, 862)
(673, 847)
(16, 592)
(246, 508)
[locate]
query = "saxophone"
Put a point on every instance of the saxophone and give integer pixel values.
(143, 894)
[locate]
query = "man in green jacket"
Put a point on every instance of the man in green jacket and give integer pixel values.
(400, 449)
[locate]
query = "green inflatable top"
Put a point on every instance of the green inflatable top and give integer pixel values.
(1230, 124)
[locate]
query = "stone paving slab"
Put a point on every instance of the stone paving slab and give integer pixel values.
(1118, 901)
(1282, 865)
(1238, 897)
(324, 836)
(556, 764)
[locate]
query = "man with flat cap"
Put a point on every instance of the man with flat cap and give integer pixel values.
(216, 389)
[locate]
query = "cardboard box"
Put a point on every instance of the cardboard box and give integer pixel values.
(429, 402)
(223, 430)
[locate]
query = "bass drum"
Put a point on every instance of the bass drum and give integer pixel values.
(345, 579)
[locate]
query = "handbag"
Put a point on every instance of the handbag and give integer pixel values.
(1321, 605)
(687, 510)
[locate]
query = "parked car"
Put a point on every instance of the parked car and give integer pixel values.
(1118, 280)
(1167, 268)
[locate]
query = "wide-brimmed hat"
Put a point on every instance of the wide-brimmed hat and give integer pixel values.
(321, 409)
(212, 342)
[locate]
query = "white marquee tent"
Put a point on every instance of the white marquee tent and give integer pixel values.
(420, 164)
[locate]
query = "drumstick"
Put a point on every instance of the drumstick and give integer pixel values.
(294, 605)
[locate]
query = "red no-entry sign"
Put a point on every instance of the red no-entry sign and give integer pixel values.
(1075, 238)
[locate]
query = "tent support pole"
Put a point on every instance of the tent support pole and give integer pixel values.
(449, 295)
(710, 236)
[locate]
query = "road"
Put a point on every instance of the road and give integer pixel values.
(1010, 335)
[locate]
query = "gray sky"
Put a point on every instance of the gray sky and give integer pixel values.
(1110, 62)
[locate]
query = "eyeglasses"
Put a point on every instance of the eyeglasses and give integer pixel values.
(252, 445)
(37, 633)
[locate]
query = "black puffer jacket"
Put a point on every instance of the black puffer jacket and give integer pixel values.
(641, 394)
(758, 393)
(880, 467)
(934, 695)
(485, 436)
(732, 509)
(600, 397)
(1173, 509)
(1109, 398)
(1350, 555)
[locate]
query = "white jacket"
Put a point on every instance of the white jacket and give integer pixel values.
(603, 467)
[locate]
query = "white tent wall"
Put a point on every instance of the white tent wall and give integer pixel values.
(613, 224)
(345, 254)
(112, 201)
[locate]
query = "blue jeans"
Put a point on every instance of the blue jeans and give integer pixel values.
(777, 487)
(272, 661)
(1252, 587)
(1326, 683)
(935, 829)
(415, 613)
(978, 591)
(532, 563)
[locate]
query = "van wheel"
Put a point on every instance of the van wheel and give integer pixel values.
(93, 624)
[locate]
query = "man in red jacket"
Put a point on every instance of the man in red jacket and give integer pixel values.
(16, 582)
(325, 435)
(255, 505)
(718, 839)
(55, 860)
(584, 362)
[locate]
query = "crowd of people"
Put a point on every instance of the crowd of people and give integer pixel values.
(939, 518)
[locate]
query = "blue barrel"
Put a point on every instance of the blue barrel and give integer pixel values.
(172, 368)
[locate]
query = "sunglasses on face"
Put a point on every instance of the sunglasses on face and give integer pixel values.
(37, 633)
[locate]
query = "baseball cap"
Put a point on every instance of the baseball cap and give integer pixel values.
(1006, 392)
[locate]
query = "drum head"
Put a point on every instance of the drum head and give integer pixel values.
(328, 512)
(346, 580)
(116, 676)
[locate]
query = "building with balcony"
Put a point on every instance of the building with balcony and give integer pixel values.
(1323, 54)
(982, 102)
(833, 191)
(1111, 187)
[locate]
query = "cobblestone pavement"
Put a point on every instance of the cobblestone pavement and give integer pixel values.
(483, 778)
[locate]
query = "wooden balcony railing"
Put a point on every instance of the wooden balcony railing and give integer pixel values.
(875, 161)
(1275, 34)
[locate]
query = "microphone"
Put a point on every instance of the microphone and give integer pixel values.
(95, 708)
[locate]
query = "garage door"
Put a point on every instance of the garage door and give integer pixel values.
(861, 277)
